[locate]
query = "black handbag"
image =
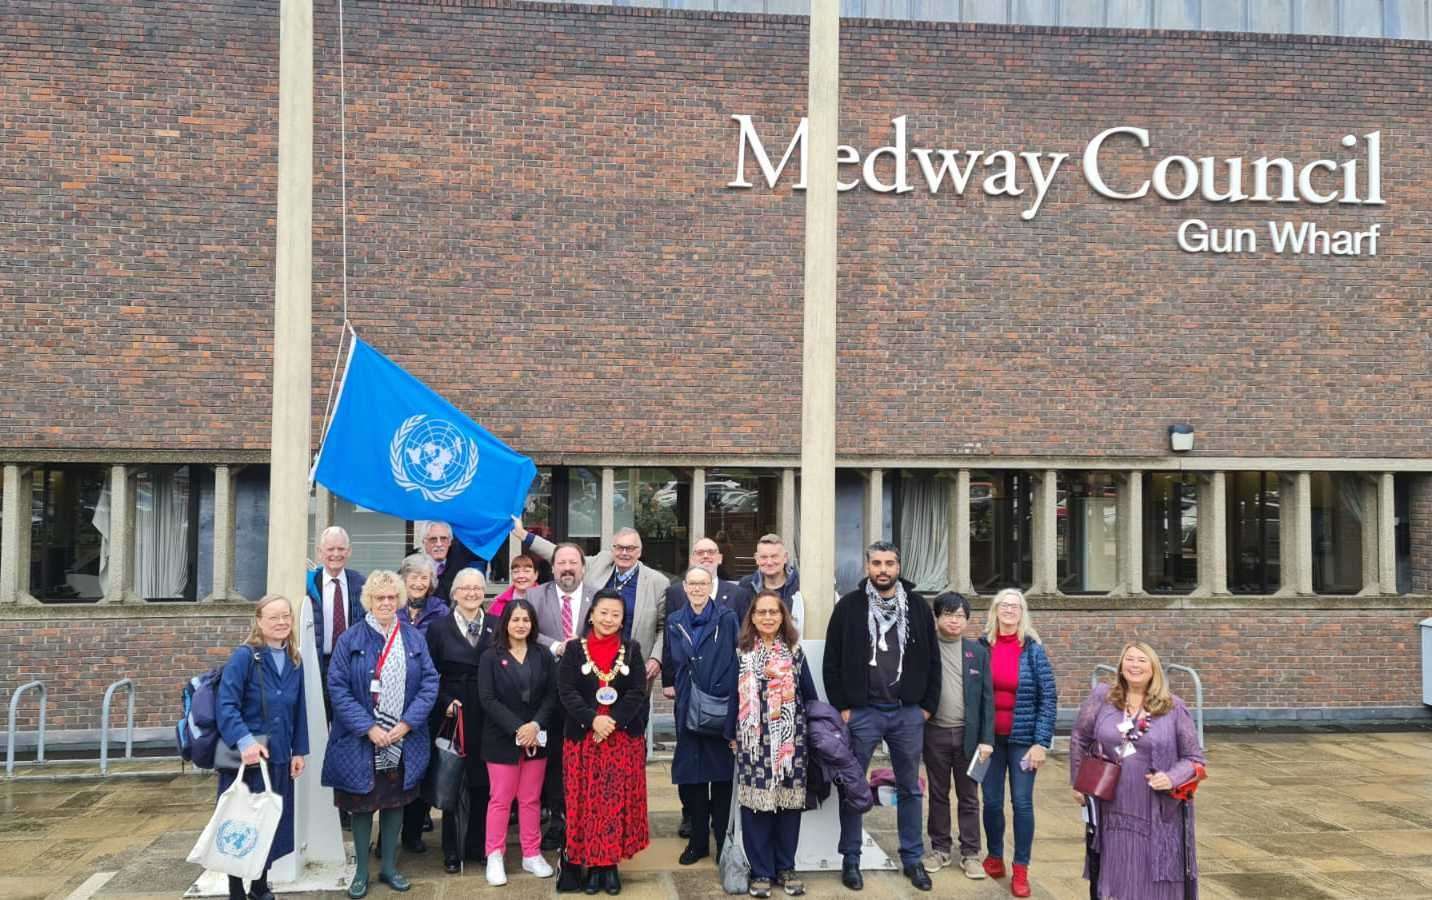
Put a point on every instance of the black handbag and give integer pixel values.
(569, 875)
(705, 714)
(228, 759)
(442, 784)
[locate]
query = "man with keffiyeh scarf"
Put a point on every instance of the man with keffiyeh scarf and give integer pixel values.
(882, 671)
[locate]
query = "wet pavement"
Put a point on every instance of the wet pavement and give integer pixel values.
(1283, 816)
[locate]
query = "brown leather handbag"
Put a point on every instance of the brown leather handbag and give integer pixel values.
(1097, 776)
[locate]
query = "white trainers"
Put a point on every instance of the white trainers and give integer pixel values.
(496, 873)
(972, 868)
(537, 866)
(935, 860)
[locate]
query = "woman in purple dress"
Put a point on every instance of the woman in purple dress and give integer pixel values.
(1140, 725)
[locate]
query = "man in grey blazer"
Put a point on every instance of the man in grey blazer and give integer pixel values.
(620, 569)
(561, 603)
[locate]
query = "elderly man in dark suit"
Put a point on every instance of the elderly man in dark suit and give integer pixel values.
(335, 593)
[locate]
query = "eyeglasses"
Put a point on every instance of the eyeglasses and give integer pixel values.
(437, 540)
(281, 617)
(765, 612)
(1009, 605)
(389, 597)
(626, 548)
(705, 551)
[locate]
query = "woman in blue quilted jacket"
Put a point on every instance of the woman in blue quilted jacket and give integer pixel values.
(1025, 704)
(383, 684)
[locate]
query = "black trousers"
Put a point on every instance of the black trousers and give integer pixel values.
(710, 807)
(553, 788)
(770, 839)
(414, 815)
(474, 844)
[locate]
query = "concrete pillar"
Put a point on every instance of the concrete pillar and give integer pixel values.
(817, 438)
(292, 424)
(1387, 532)
(1044, 533)
(874, 506)
(1129, 509)
(960, 534)
(608, 499)
(323, 511)
(1295, 534)
(696, 528)
(1367, 512)
(15, 533)
(1212, 536)
(788, 510)
(222, 588)
(1419, 514)
(119, 583)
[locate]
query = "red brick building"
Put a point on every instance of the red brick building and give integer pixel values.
(541, 224)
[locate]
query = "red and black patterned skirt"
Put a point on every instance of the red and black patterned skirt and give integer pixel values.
(606, 799)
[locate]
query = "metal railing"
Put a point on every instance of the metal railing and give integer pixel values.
(10, 726)
(1197, 690)
(127, 684)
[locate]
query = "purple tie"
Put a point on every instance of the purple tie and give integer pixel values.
(340, 609)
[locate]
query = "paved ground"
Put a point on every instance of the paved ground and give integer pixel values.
(1284, 816)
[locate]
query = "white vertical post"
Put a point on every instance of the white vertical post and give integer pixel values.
(960, 534)
(788, 510)
(1212, 535)
(818, 356)
(222, 588)
(607, 497)
(1387, 532)
(874, 506)
(119, 578)
(1295, 534)
(15, 534)
(1130, 527)
(696, 527)
(1044, 533)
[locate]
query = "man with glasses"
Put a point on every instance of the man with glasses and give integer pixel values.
(882, 671)
(620, 569)
(448, 554)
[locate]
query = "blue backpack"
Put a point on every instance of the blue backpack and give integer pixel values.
(197, 732)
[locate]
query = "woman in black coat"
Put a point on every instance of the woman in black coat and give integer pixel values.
(456, 642)
(601, 682)
(518, 686)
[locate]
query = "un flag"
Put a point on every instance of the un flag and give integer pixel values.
(396, 446)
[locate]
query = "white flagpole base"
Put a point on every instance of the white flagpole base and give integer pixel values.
(820, 828)
(314, 877)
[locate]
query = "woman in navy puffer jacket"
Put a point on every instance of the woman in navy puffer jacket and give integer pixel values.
(1025, 703)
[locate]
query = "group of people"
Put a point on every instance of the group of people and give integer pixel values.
(548, 689)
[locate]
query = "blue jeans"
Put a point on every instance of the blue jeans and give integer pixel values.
(903, 731)
(1021, 793)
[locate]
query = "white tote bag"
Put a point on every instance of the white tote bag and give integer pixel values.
(238, 837)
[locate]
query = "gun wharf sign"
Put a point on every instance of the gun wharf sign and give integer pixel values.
(1355, 179)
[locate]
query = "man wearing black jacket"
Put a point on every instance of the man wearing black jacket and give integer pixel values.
(882, 671)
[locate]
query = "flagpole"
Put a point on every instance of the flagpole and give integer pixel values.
(337, 401)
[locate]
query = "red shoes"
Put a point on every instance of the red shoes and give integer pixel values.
(1019, 884)
(994, 866)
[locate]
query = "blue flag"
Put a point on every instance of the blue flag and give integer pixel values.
(396, 446)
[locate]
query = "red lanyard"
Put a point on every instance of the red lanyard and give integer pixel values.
(383, 657)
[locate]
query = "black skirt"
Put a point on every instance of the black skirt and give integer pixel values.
(387, 793)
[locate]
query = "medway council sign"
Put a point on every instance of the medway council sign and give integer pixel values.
(1355, 181)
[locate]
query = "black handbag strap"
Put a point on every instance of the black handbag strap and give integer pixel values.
(263, 692)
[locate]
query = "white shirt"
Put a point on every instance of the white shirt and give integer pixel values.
(328, 608)
(576, 611)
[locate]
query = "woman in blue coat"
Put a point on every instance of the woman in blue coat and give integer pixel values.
(382, 684)
(262, 714)
(700, 650)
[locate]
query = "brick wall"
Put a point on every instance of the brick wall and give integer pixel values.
(1341, 657)
(540, 189)
(78, 652)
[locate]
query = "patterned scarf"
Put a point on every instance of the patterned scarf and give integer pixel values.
(392, 689)
(774, 665)
(887, 613)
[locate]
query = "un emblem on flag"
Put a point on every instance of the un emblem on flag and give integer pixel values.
(432, 457)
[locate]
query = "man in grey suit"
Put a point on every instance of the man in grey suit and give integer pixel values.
(619, 569)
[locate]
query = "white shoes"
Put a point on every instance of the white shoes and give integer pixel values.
(496, 873)
(537, 866)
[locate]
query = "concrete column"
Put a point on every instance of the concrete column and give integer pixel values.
(1387, 533)
(15, 533)
(323, 511)
(292, 424)
(608, 498)
(696, 528)
(874, 506)
(1129, 555)
(1212, 536)
(817, 549)
(1295, 534)
(119, 587)
(1367, 510)
(1045, 533)
(222, 588)
(960, 534)
(788, 510)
